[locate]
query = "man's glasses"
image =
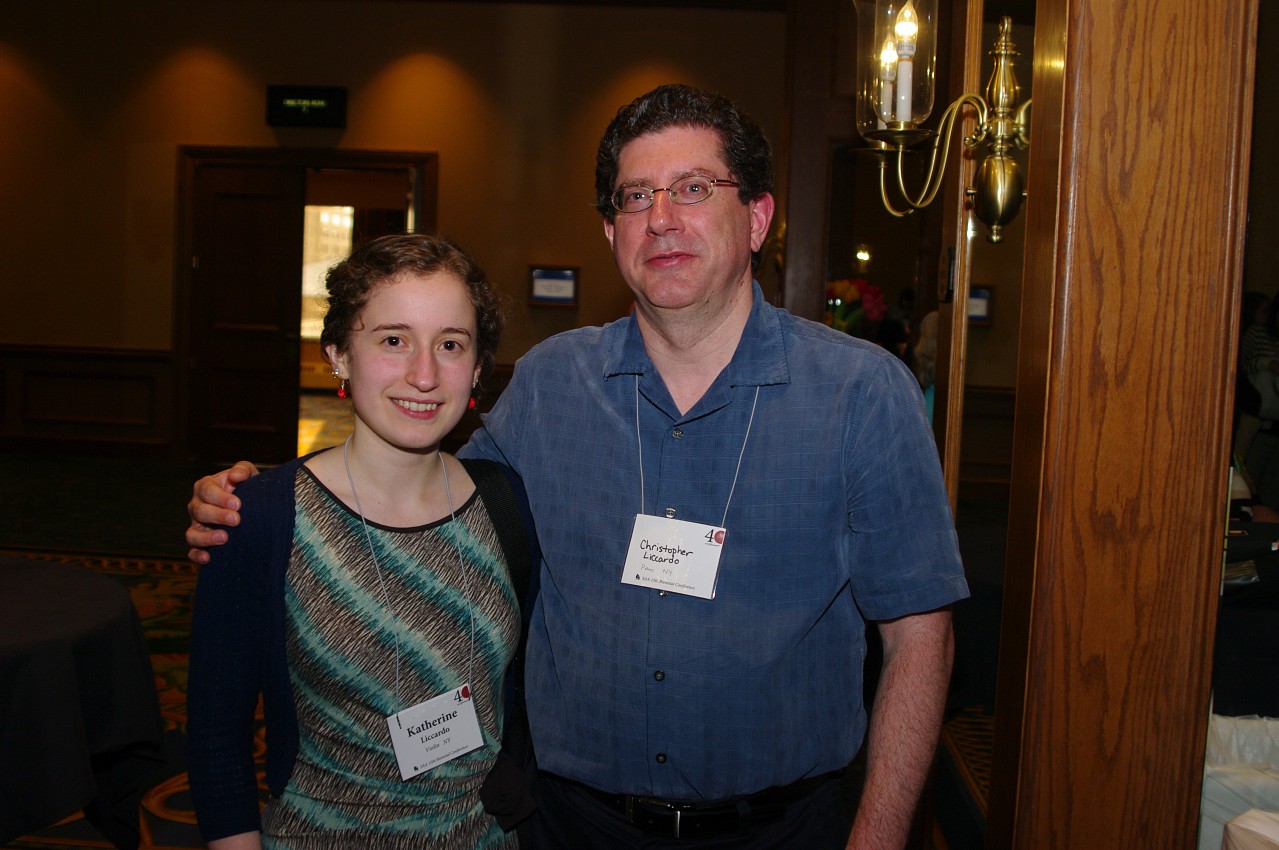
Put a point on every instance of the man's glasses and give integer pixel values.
(688, 191)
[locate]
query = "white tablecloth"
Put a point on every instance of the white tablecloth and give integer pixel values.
(1255, 829)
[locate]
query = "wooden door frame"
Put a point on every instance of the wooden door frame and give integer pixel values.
(425, 191)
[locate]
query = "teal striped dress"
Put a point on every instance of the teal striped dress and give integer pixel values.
(345, 790)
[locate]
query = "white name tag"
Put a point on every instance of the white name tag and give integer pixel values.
(674, 555)
(433, 732)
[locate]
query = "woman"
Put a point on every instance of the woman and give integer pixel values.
(367, 596)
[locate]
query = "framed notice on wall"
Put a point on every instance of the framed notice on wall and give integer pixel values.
(552, 286)
(979, 302)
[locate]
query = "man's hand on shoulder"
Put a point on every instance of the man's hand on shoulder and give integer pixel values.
(213, 503)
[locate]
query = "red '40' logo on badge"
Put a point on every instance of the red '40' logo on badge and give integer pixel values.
(715, 537)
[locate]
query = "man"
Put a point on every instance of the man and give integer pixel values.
(722, 492)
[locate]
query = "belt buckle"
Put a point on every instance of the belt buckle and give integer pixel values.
(656, 803)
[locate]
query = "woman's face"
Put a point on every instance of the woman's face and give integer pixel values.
(412, 360)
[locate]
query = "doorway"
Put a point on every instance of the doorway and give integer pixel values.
(245, 259)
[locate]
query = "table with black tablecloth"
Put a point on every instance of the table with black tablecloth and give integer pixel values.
(1245, 676)
(80, 725)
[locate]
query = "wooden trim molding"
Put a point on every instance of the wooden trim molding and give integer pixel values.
(954, 274)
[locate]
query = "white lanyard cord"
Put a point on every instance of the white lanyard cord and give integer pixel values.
(377, 568)
(731, 490)
(461, 565)
(639, 443)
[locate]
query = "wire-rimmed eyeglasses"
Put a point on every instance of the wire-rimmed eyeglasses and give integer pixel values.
(686, 191)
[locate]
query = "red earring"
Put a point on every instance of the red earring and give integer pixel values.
(470, 405)
(342, 392)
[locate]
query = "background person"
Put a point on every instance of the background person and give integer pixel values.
(366, 591)
(1254, 338)
(926, 360)
(1259, 355)
(720, 707)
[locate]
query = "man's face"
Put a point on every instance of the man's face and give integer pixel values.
(675, 256)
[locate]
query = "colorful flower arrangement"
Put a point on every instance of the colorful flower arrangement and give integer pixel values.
(851, 302)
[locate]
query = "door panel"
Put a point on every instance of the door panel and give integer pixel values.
(245, 309)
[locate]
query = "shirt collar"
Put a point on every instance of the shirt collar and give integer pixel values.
(760, 358)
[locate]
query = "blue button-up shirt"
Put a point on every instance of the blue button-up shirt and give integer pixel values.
(839, 513)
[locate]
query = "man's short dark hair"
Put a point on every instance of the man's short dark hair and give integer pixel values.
(745, 149)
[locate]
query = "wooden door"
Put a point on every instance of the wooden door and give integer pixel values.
(245, 306)
(239, 275)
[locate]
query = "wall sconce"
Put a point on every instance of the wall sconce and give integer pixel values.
(896, 59)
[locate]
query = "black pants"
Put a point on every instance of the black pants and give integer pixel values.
(570, 818)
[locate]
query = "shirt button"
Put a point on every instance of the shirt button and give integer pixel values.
(678, 433)
(659, 675)
(661, 758)
(670, 513)
(661, 593)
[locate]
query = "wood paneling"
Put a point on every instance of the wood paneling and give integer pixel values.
(86, 399)
(1132, 270)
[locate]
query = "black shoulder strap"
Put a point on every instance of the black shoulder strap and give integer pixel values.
(512, 527)
(507, 790)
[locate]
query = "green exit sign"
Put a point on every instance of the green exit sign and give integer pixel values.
(305, 106)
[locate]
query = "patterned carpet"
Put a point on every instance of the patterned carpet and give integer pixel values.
(162, 590)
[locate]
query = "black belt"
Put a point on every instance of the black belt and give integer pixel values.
(737, 816)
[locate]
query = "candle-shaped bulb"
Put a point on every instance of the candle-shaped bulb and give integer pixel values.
(906, 29)
(907, 26)
(888, 60)
(887, 74)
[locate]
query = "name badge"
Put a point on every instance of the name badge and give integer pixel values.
(674, 555)
(433, 732)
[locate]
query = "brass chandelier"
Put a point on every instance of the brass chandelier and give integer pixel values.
(896, 60)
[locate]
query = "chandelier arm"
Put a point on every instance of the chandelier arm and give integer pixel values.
(983, 113)
(883, 188)
(937, 170)
(1021, 123)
